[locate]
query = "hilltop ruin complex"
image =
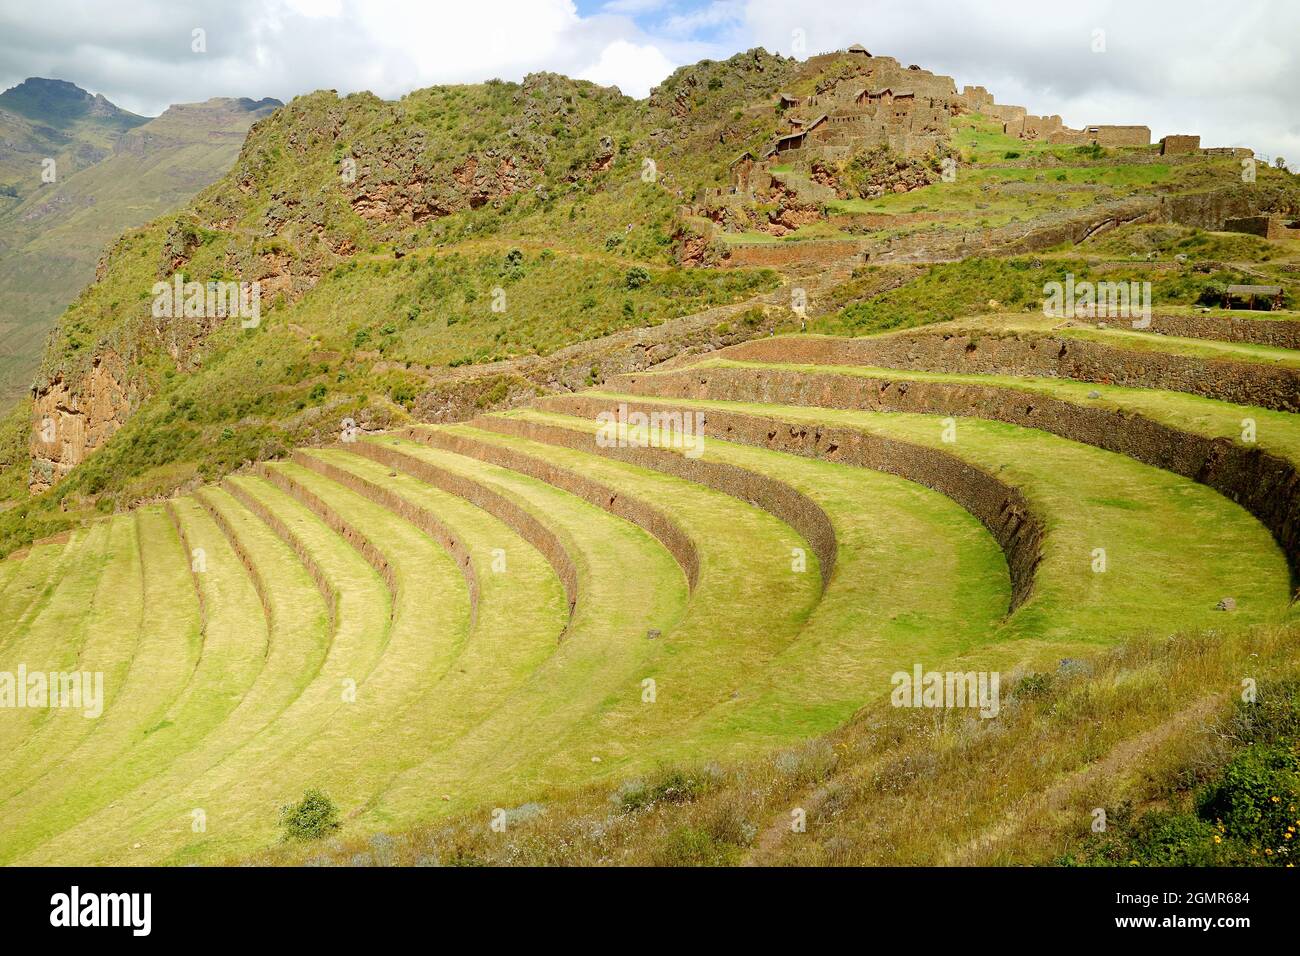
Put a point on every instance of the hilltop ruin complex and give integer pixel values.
(865, 102)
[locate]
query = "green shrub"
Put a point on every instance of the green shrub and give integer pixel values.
(310, 819)
(669, 786)
(636, 277)
(1257, 799)
(1032, 685)
(1248, 814)
(1174, 839)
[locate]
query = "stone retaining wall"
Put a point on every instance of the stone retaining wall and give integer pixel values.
(646, 516)
(422, 518)
(1281, 333)
(290, 537)
(336, 523)
(255, 575)
(1001, 508)
(1266, 485)
(515, 517)
(1242, 383)
(170, 508)
(778, 499)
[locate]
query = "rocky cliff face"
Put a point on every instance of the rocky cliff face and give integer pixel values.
(71, 421)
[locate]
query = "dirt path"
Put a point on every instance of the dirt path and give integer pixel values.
(1121, 757)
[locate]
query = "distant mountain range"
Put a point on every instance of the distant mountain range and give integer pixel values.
(112, 171)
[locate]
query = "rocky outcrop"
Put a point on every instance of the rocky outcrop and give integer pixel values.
(69, 421)
(791, 212)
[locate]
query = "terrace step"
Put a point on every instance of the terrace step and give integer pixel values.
(602, 494)
(298, 627)
(1001, 508)
(1129, 359)
(430, 628)
(49, 636)
(912, 566)
(166, 654)
(111, 635)
(627, 585)
(748, 603)
(772, 495)
(1160, 566)
(1167, 430)
(231, 656)
(31, 585)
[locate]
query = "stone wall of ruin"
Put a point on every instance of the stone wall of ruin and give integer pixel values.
(778, 254)
(1102, 136)
(1179, 144)
(1267, 227)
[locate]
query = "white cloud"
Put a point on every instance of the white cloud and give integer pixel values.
(633, 69)
(633, 7)
(1226, 72)
(141, 58)
(316, 8)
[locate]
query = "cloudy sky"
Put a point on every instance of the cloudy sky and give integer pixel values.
(1222, 69)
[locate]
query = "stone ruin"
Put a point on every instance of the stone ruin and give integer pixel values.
(1180, 144)
(876, 102)
(871, 101)
(1266, 227)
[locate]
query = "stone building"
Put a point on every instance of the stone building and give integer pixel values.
(873, 102)
(1179, 144)
(1099, 135)
(1267, 227)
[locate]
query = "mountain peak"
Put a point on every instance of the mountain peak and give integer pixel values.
(58, 102)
